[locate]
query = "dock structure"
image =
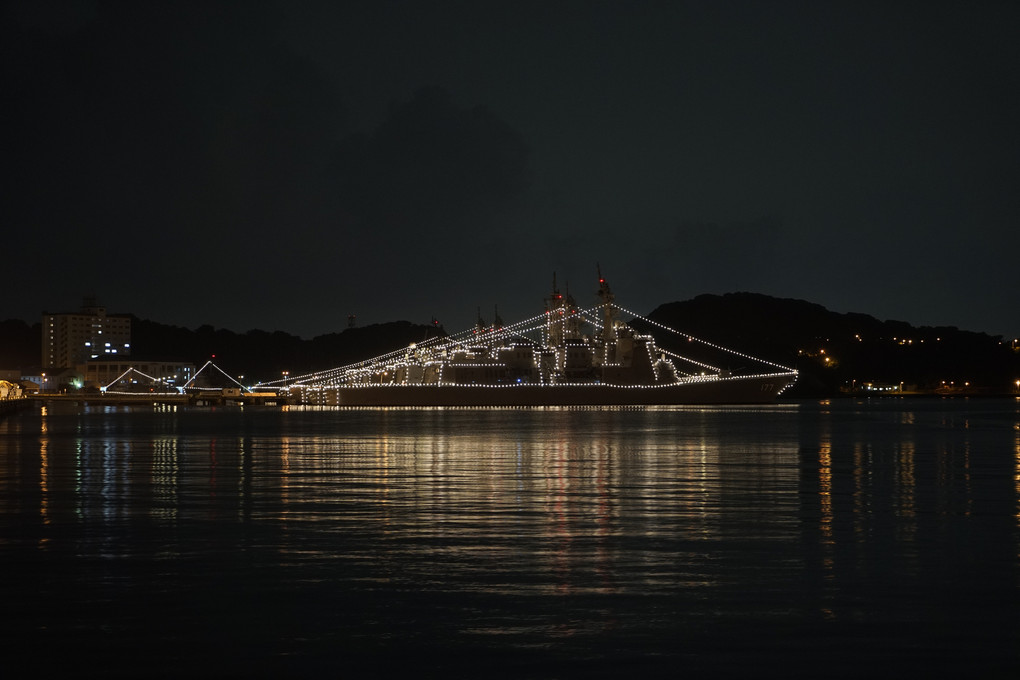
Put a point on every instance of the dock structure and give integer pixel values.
(134, 387)
(13, 405)
(193, 399)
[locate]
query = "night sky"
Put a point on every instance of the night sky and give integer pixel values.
(280, 165)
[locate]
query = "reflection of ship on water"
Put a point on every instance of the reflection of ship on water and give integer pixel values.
(561, 481)
(566, 356)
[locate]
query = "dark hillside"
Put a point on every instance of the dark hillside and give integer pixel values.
(264, 355)
(842, 352)
(20, 344)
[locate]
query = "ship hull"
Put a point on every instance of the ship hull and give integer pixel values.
(731, 390)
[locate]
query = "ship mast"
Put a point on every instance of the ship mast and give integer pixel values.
(608, 309)
(554, 316)
(571, 319)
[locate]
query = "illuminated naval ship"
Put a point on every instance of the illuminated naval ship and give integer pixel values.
(567, 356)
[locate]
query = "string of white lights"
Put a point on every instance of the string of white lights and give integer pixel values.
(474, 349)
(206, 365)
(602, 385)
(689, 360)
(194, 377)
(704, 342)
(132, 369)
(462, 339)
(115, 380)
(229, 377)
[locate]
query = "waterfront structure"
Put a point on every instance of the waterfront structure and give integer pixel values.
(9, 390)
(51, 380)
(133, 375)
(71, 339)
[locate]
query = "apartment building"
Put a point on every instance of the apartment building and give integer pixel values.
(71, 339)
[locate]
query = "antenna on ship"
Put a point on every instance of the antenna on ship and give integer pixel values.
(553, 314)
(608, 308)
(433, 328)
(497, 322)
(571, 319)
(554, 301)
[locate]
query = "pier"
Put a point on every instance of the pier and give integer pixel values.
(142, 398)
(135, 388)
(12, 405)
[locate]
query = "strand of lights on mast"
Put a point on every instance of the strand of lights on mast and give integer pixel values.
(471, 341)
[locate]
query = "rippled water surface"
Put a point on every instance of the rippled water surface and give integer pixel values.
(847, 539)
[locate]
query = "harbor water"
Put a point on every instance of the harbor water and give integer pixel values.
(852, 538)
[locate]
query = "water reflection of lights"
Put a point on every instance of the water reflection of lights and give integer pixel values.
(578, 511)
(825, 498)
(898, 480)
(574, 490)
(967, 479)
(1016, 477)
(44, 483)
(463, 485)
(906, 484)
(906, 501)
(165, 472)
(861, 493)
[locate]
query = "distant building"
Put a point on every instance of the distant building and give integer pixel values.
(71, 339)
(9, 390)
(145, 374)
(51, 380)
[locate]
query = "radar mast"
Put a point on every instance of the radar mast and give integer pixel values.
(608, 308)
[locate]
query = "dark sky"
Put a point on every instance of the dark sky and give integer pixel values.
(279, 165)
